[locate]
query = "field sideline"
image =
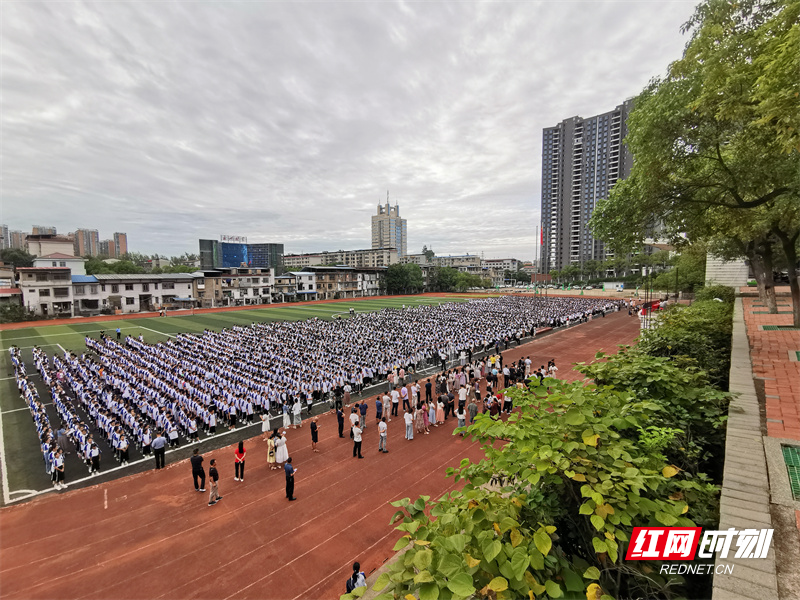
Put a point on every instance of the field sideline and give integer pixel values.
(22, 468)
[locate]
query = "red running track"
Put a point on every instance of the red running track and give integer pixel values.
(151, 535)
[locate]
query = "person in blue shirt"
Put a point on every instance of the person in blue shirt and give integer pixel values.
(378, 408)
(290, 471)
(363, 410)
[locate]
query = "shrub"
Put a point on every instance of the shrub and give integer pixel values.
(701, 332)
(574, 481)
(723, 292)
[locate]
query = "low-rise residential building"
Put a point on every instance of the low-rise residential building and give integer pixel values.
(131, 293)
(76, 264)
(234, 286)
(46, 291)
(335, 282)
(371, 257)
(503, 264)
(44, 244)
(371, 282)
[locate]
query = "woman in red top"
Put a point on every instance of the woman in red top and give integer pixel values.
(239, 464)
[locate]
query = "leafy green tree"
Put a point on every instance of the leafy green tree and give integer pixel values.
(16, 257)
(688, 272)
(15, 313)
(718, 134)
(416, 282)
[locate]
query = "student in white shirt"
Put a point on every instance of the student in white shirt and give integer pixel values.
(382, 431)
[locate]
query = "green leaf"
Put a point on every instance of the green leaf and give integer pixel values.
(506, 570)
(665, 518)
(423, 559)
(537, 560)
(599, 545)
(519, 563)
(359, 591)
(542, 541)
(461, 585)
(423, 577)
(591, 573)
(597, 522)
(491, 549)
(457, 542)
(572, 580)
(401, 503)
(450, 565)
(401, 543)
(587, 508)
(574, 417)
(498, 584)
(553, 589)
(381, 582)
(428, 591)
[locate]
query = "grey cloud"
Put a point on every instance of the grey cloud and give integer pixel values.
(289, 121)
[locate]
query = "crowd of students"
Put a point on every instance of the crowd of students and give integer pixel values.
(134, 392)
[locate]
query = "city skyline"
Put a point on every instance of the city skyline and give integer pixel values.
(287, 122)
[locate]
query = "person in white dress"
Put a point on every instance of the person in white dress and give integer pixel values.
(264, 426)
(281, 450)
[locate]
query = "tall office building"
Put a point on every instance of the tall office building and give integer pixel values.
(582, 159)
(389, 230)
(215, 255)
(120, 244)
(86, 242)
(5, 240)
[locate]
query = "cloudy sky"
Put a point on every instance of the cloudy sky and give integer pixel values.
(289, 121)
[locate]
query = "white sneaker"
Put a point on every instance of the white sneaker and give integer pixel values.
(236, 479)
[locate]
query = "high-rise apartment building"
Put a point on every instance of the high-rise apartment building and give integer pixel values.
(5, 240)
(16, 239)
(42, 230)
(582, 159)
(120, 244)
(389, 230)
(86, 242)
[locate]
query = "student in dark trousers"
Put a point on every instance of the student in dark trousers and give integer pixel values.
(159, 446)
(340, 420)
(238, 464)
(357, 441)
(290, 471)
(213, 475)
(198, 472)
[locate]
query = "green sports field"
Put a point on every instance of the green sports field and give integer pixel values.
(22, 472)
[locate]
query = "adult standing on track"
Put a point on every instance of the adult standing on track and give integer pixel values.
(296, 408)
(409, 420)
(213, 474)
(59, 475)
(382, 427)
(340, 420)
(271, 451)
(314, 434)
(395, 401)
(238, 464)
(159, 446)
(289, 470)
(357, 441)
(281, 450)
(198, 472)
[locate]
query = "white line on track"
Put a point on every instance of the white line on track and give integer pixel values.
(154, 331)
(6, 495)
(13, 410)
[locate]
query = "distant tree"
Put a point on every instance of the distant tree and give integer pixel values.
(17, 257)
(15, 313)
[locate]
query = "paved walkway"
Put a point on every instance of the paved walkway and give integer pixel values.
(756, 493)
